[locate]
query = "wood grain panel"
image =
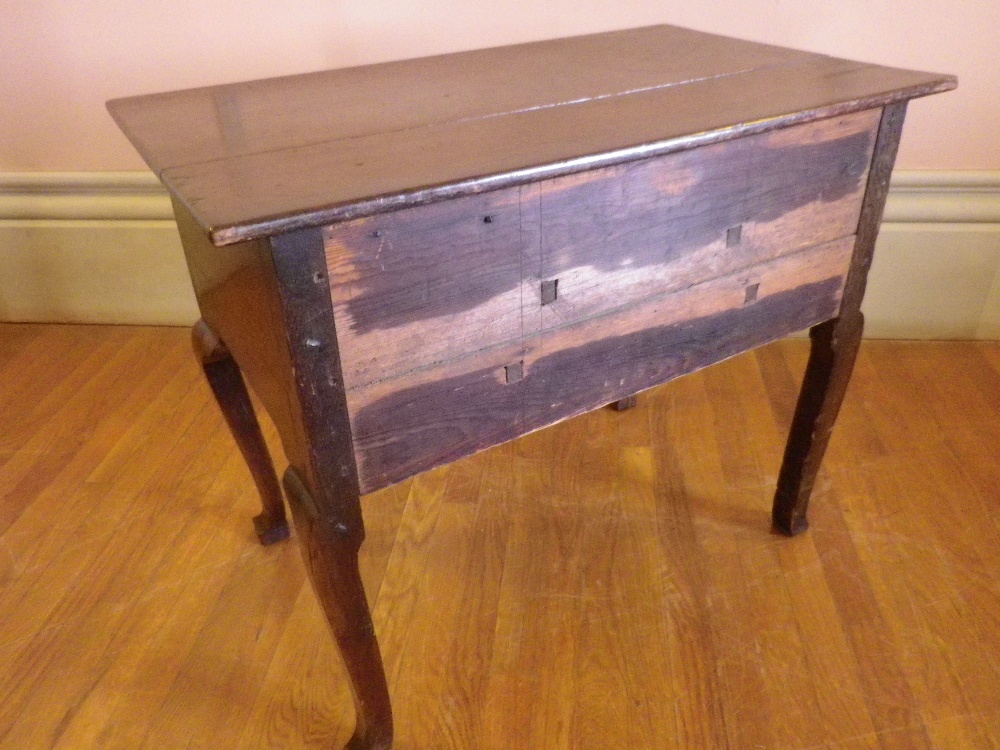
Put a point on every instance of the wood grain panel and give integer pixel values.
(410, 424)
(637, 229)
(421, 285)
(433, 416)
(583, 366)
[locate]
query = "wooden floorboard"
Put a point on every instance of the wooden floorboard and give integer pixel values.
(611, 581)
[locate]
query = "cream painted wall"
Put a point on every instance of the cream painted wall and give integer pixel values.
(60, 61)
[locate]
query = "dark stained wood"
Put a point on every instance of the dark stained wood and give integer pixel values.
(224, 377)
(662, 224)
(422, 285)
(237, 293)
(410, 424)
(831, 360)
(509, 238)
(336, 176)
(602, 239)
(323, 480)
(886, 147)
(330, 554)
(834, 347)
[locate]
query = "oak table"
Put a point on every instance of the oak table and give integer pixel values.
(413, 261)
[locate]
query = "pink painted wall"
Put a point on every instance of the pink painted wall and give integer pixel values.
(59, 61)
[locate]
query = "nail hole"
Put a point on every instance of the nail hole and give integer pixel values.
(488, 219)
(751, 294)
(318, 277)
(377, 233)
(312, 343)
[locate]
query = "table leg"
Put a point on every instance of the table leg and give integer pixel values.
(831, 360)
(322, 483)
(224, 377)
(623, 404)
(330, 551)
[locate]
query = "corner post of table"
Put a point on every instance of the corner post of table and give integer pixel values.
(226, 382)
(834, 345)
(322, 480)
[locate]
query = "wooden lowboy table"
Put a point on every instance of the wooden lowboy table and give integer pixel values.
(414, 261)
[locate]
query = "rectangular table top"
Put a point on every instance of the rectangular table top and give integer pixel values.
(264, 157)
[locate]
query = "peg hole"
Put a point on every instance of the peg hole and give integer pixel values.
(550, 291)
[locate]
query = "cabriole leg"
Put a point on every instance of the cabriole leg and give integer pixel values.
(831, 360)
(224, 377)
(330, 551)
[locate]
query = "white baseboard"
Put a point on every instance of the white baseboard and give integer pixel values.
(101, 247)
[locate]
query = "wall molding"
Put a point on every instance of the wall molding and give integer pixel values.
(914, 196)
(966, 197)
(83, 196)
(102, 247)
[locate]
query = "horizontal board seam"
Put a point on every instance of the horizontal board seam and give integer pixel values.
(505, 113)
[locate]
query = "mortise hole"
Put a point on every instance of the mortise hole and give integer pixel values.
(550, 291)
(751, 294)
(734, 235)
(514, 372)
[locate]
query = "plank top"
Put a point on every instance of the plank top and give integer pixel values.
(263, 157)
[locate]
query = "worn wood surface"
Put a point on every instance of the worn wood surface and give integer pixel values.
(835, 345)
(406, 299)
(609, 582)
(434, 415)
(451, 126)
(322, 480)
(664, 224)
(420, 286)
